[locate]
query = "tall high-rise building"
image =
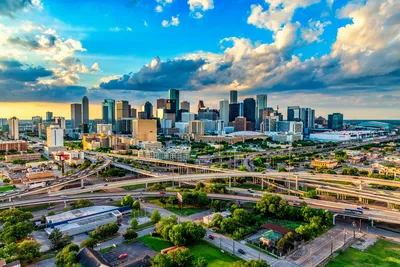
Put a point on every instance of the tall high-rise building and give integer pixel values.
(261, 105)
(133, 113)
(201, 105)
(293, 113)
(307, 116)
(109, 112)
(55, 136)
(49, 116)
(174, 94)
(85, 110)
(240, 124)
(76, 115)
(335, 121)
(234, 111)
(144, 130)
(196, 127)
(147, 108)
(161, 102)
(188, 116)
(122, 109)
(208, 114)
(37, 125)
(170, 106)
(233, 96)
(224, 111)
(60, 121)
(185, 105)
(13, 130)
(249, 109)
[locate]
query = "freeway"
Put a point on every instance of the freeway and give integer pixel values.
(336, 207)
(136, 170)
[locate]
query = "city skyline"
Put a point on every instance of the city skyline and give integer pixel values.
(325, 55)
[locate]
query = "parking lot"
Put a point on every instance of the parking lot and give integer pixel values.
(135, 250)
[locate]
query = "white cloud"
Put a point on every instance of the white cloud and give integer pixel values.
(159, 9)
(201, 4)
(128, 29)
(279, 13)
(109, 78)
(174, 22)
(95, 67)
(197, 15)
(145, 23)
(314, 30)
(38, 4)
(286, 36)
(329, 3)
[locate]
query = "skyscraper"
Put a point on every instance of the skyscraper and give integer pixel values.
(201, 105)
(224, 111)
(122, 109)
(49, 116)
(109, 112)
(261, 104)
(161, 102)
(60, 121)
(36, 125)
(307, 116)
(185, 105)
(133, 113)
(13, 130)
(233, 97)
(335, 121)
(293, 113)
(85, 110)
(174, 94)
(55, 136)
(147, 108)
(76, 115)
(249, 109)
(170, 106)
(144, 130)
(234, 111)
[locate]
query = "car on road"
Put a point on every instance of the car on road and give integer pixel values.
(395, 210)
(250, 191)
(241, 251)
(365, 207)
(63, 196)
(211, 237)
(105, 184)
(122, 256)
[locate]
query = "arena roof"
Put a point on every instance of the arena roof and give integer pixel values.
(377, 125)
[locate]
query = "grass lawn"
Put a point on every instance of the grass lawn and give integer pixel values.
(37, 207)
(7, 188)
(186, 210)
(144, 225)
(134, 186)
(383, 253)
(104, 250)
(249, 186)
(212, 254)
(292, 225)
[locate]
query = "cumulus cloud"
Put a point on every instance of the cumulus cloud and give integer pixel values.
(314, 30)
(11, 69)
(174, 22)
(10, 7)
(196, 6)
(159, 9)
(279, 13)
(156, 76)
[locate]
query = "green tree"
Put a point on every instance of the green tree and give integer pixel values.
(200, 187)
(171, 200)
(202, 199)
(216, 221)
(105, 231)
(28, 250)
(216, 205)
(155, 216)
(127, 200)
(177, 235)
(136, 205)
(14, 215)
(83, 203)
(282, 169)
(130, 234)
(229, 225)
(134, 224)
(243, 168)
(174, 258)
(6, 180)
(242, 216)
(312, 194)
(15, 232)
(250, 263)
(67, 256)
(58, 239)
(89, 243)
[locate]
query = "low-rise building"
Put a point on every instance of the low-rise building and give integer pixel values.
(17, 146)
(39, 174)
(273, 234)
(25, 157)
(173, 154)
(84, 220)
(70, 157)
(321, 163)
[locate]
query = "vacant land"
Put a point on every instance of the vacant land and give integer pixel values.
(292, 225)
(6, 188)
(211, 254)
(383, 254)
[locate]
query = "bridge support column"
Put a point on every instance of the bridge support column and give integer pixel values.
(297, 183)
(262, 184)
(372, 222)
(9, 199)
(82, 183)
(179, 183)
(390, 205)
(230, 182)
(65, 204)
(146, 186)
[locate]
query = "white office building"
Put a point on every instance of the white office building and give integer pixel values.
(13, 131)
(224, 111)
(104, 129)
(55, 136)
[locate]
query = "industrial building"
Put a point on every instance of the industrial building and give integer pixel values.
(84, 220)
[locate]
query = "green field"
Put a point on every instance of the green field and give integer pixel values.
(383, 254)
(213, 255)
(186, 210)
(135, 186)
(250, 186)
(7, 188)
(292, 225)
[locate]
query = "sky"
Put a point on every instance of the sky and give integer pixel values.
(329, 55)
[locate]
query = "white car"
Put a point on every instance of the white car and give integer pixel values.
(395, 210)
(63, 196)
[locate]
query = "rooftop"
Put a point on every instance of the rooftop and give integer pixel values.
(78, 213)
(271, 235)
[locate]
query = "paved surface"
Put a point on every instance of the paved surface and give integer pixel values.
(44, 263)
(134, 251)
(43, 239)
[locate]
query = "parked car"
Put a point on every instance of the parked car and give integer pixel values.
(212, 230)
(241, 251)
(122, 256)
(211, 237)
(105, 184)
(250, 191)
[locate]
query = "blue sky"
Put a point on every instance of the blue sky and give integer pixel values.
(330, 55)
